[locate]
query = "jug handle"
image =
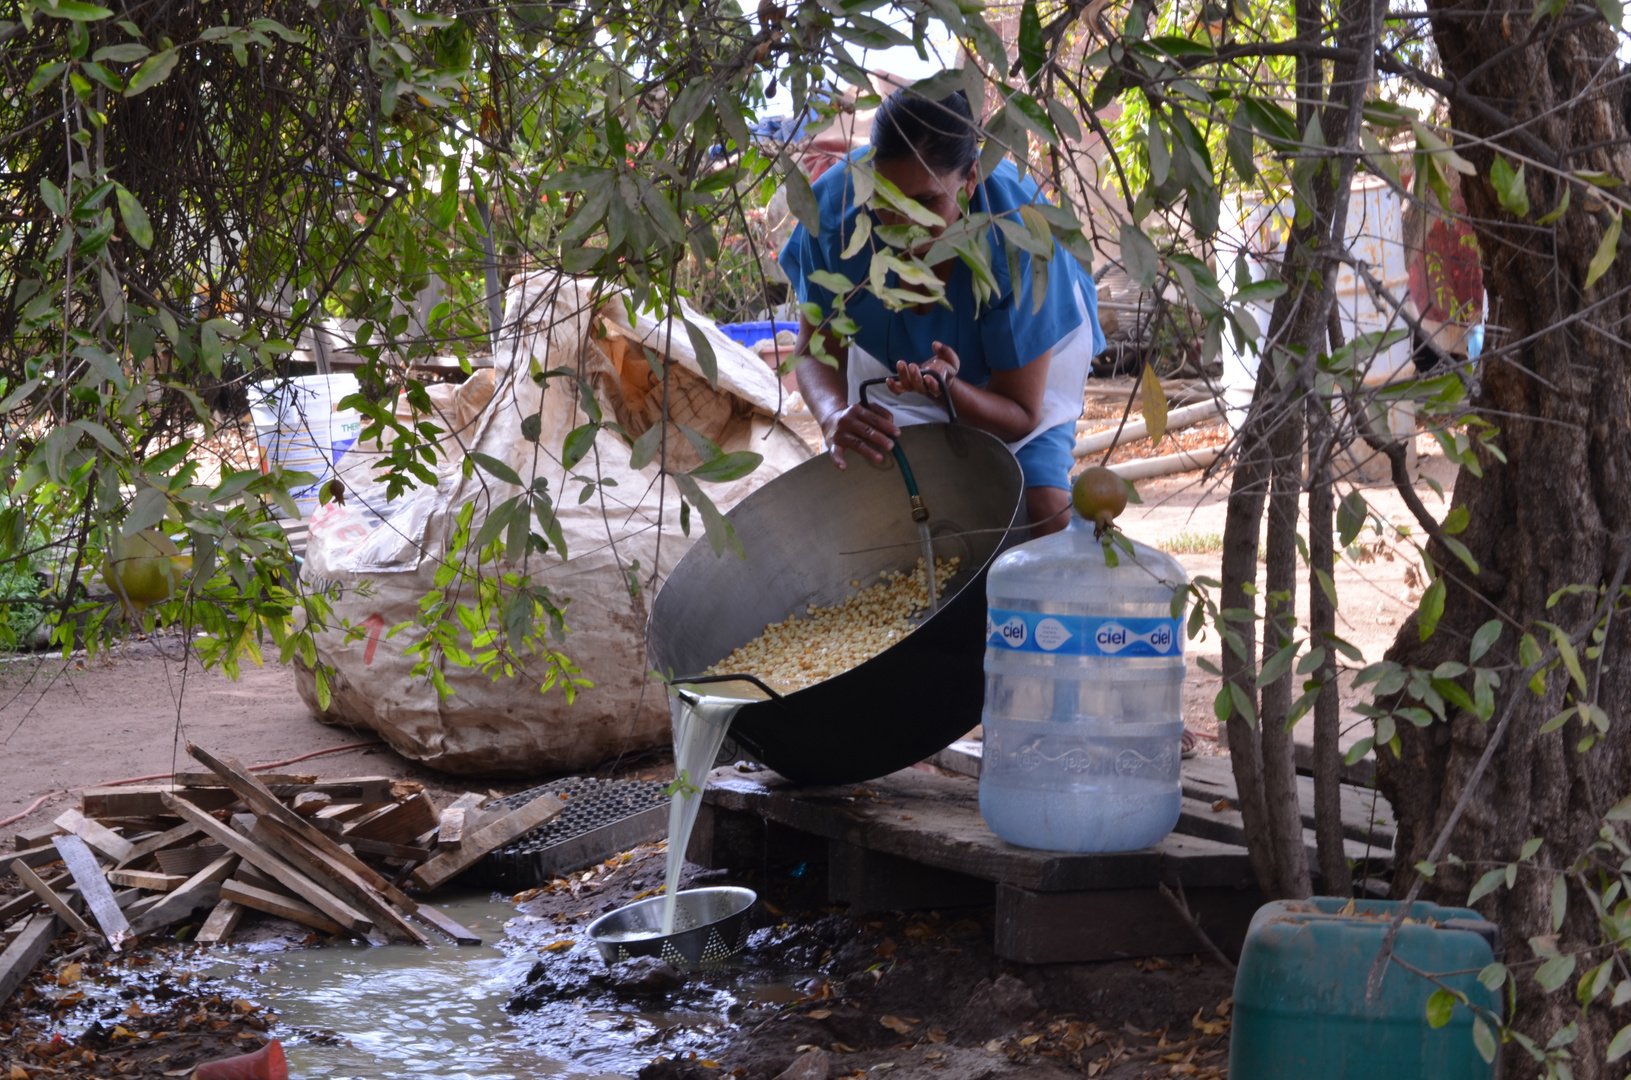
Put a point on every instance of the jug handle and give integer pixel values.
(945, 396)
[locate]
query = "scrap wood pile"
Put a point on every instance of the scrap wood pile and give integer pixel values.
(334, 855)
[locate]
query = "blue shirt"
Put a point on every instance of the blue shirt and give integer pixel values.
(1003, 336)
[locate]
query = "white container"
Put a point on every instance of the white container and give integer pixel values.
(299, 426)
(1084, 675)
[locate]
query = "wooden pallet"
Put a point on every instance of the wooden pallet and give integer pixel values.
(915, 839)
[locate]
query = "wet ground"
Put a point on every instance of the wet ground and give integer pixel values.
(816, 992)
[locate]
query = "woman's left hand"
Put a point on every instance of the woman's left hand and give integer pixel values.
(909, 378)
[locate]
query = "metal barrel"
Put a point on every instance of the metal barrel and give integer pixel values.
(808, 534)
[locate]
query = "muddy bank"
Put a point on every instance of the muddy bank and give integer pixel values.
(819, 995)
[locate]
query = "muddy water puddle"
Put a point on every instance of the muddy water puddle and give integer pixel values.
(534, 1001)
(352, 1011)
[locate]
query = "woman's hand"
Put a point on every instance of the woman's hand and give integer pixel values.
(867, 429)
(909, 378)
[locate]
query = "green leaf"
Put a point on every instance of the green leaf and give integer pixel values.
(1242, 703)
(1620, 1044)
(1440, 1006)
(1607, 248)
(1485, 637)
(802, 201)
(153, 71)
(705, 352)
(146, 510)
(1138, 255)
(1494, 975)
(1560, 901)
(532, 427)
(1483, 1040)
(1620, 811)
(128, 53)
(1160, 159)
(645, 447)
(1509, 185)
(1486, 885)
(1431, 609)
(134, 217)
(1554, 972)
(53, 198)
(727, 467)
(1530, 846)
(1358, 750)
(1278, 664)
(1032, 49)
(73, 10)
(497, 468)
(1351, 512)
(1614, 15)
(1562, 207)
(578, 443)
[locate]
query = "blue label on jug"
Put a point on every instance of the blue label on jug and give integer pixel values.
(1083, 635)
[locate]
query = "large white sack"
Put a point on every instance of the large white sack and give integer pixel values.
(379, 572)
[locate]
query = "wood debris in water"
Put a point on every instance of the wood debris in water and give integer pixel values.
(191, 856)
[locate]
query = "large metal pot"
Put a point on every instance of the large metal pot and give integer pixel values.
(808, 534)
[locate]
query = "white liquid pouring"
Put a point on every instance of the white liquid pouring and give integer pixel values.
(699, 732)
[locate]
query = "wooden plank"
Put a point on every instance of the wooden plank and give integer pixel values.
(935, 820)
(34, 858)
(450, 830)
(489, 837)
(162, 842)
(147, 800)
(308, 803)
(209, 779)
(20, 905)
(188, 860)
(39, 836)
(253, 853)
(25, 952)
(98, 836)
(297, 839)
(1366, 814)
(399, 823)
(52, 900)
(286, 843)
(200, 890)
(146, 879)
(222, 921)
(375, 790)
(287, 907)
(93, 886)
(308, 831)
(1225, 824)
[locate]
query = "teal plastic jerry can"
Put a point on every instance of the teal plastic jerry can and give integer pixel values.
(1300, 1011)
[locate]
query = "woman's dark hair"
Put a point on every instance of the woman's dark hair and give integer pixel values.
(939, 133)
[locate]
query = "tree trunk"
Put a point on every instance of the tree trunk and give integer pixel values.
(1335, 877)
(1556, 513)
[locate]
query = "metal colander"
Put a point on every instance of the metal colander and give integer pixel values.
(710, 925)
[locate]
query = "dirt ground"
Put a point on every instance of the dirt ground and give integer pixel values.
(917, 994)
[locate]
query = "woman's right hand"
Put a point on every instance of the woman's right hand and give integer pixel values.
(867, 429)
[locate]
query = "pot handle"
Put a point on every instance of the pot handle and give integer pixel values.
(754, 679)
(945, 394)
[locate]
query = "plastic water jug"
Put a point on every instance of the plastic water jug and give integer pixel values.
(1084, 675)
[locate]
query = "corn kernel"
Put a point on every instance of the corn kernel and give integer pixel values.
(797, 653)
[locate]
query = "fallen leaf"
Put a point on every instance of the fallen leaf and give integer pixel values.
(1208, 1027)
(885, 948)
(819, 1014)
(937, 1035)
(802, 1047)
(1225, 1005)
(242, 1006)
(18, 1073)
(772, 908)
(69, 975)
(843, 1048)
(1221, 805)
(994, 1046)
(1030, 1040)
(526, 894)
(705, 1063)
(896, 1024)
